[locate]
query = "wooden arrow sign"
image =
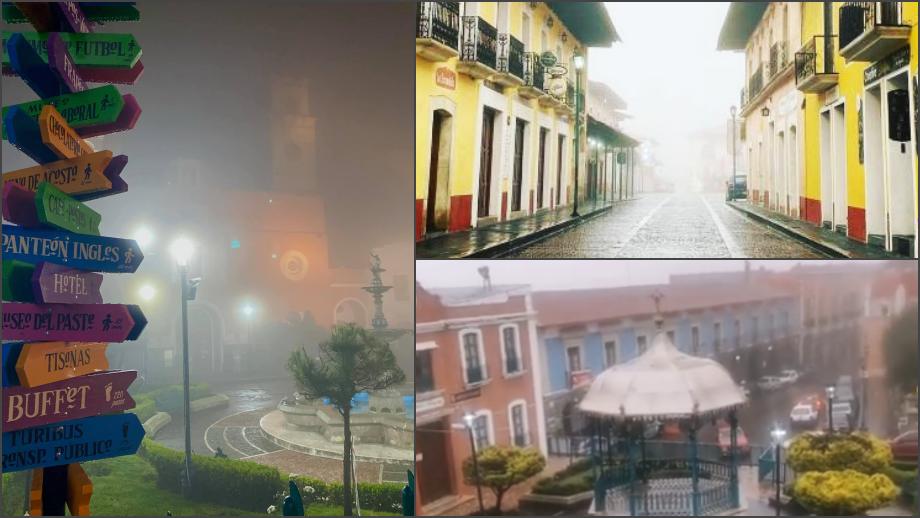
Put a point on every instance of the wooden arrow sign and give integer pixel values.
(59, 136)
(78, 440)
(60, 61)
(11, 352)
(56, 284)
(126, 120)
(39, 14)
(96, 12)
(97, 50)
(69, 322)
(24, 134)
(79, 488)
(48, 362)
(86, 109)
(90, 253)
(17, 281)
(29, 65)
(71, 16)
(49, 207)
(84, 396)
(121, 76)
(85, 178)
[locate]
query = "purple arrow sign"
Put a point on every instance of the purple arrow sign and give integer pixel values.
(19, 205)
(70, 322)
(72, 16)
(122, 76)
(53, 283)
(61, 62)
(83, 396)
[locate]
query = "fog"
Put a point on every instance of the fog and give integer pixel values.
(676, 84)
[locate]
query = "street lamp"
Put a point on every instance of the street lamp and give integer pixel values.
(830, 407)
(182, 250)
(147, 292)
(778, 434)
(731, 192)
(579, 64)
(468, 420)
(143, 236)
(248, 311)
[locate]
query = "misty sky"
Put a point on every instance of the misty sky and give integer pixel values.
(561, 275)
(668, 71)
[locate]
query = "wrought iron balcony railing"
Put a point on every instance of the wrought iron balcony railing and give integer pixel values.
(534, 74)
(479, 42)
(439, 21)
(510, 55)
(778, 58)
(814, 59)
(755, 83)
(857, 18)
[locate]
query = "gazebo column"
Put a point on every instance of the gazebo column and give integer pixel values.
(600, 480)
(695, 469)
(631, 449)
(733, 472)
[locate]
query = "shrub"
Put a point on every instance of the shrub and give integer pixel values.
(861, 452)
(14, 485)
(843, 493)
(568, 486)
(378, 497)
(228, 482)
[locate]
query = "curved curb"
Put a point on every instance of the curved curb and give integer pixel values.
(156, 423)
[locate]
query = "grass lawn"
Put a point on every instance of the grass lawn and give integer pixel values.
(126, 486)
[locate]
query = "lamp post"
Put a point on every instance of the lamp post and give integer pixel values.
(468, 420)
(182, 250)
(248, 311)
(830, 408)
(579, 64)
(778, 434)
(731, 192)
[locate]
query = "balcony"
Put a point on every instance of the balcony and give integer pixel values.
(437, 30)
(566, 104)
(870, 31)
(510, 61)
(553, 88)
(478, 48)
(755, 84)
(779, 58)
(534, 77)
(814, 66)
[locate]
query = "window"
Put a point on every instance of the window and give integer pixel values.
(517, 415)
(574, 356)
(643, 344)
(481, 434)
(424, 377)
(716, 336)
(737, 333)
(695, 339)
(610, 353)
(474, 368)
(511, 350)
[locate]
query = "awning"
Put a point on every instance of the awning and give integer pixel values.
(740, 22)
(589, 22)
(611, 136)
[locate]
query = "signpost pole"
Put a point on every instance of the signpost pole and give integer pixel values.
(183, 279)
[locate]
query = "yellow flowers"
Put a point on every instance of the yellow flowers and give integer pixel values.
(846, 492)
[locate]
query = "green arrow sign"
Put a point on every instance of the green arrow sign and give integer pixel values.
(17, 281)
(91, 107)
(97, 12)
(92, 49)
(57, 209)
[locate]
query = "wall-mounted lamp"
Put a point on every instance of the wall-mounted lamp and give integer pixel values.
(565, 37)
(765, 111)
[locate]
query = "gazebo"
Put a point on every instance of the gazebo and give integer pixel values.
(664, 385)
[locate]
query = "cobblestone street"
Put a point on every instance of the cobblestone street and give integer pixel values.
(669, 226)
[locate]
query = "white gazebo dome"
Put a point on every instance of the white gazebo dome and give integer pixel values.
(663, 384)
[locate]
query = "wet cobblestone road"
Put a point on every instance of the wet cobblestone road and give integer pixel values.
(686, 225)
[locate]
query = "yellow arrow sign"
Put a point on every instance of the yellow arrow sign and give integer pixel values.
(75, 176)
(59, 136)
(79, 490)
(46, 362)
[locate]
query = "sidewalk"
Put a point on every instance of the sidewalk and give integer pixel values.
(826, 241)
(503, 237)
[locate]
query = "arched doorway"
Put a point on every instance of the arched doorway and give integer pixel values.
(438, 211)
(352, 311)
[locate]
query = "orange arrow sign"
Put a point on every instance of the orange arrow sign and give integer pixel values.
(59, 136)
(46, 362)
(35, 492)
(79, 490)
(76, 176)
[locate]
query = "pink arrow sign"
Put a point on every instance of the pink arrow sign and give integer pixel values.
(53, 283)
(83, 396)
(19, 205)
(122, 76)
(68, 322)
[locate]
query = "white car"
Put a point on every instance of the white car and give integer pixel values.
(769, 383)
(804, 413)
(788, 376)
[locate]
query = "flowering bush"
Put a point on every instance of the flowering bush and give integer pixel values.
(860, 452)
(843, 493)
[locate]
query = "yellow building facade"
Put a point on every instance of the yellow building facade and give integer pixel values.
(855, 71)
(496, 88)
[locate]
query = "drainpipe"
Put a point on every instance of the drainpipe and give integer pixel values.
(828, 41)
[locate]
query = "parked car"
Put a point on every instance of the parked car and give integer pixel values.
(842, 412)
(789, 376)
(804, 414)
(769, 383)
(904, 446)
(743, 448)
(738, 190)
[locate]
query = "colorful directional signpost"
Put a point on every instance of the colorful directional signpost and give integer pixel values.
(61, 404)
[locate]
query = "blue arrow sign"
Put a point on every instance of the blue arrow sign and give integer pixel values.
(67, 442)
(90, 253)
(30, 66)
(11, 352)
(23, 132)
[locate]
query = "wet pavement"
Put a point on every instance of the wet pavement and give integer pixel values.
(669, 225)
